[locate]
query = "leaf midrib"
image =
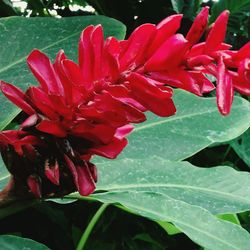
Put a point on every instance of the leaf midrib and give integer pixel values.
(42, 49)
(169, 218)
(157, 185)
(4, 177)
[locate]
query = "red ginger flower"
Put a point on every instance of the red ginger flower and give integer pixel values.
(84, 109)
(76, 112)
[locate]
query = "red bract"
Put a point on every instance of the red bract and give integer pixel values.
(86, 108)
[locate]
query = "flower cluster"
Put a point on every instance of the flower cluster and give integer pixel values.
(85, 109)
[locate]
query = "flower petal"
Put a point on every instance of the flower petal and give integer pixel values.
(86, 53)
(110, 150)
(98, 133)
(153, 98)
(41, 102)
(199, 26)
(85, 180)
(123, 131)
(169, 55)
(34, 185)
(118, 109)
(224, 89)
(51, 127)
(52, 172)
(16, 95)
(206, 86)
(72, 169)
(44, 72)
(199, 60)
(137, 43)
(217, 33)
(178, 78)
(82, 177)
(166, 28)
(30, 121)
(75, 76)
(244, 52)
(60, 57)
(97, 41)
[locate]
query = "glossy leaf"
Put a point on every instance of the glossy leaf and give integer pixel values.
(195, 222)
(47, 34)
(10, 242)
(182, 194)
(220, 190)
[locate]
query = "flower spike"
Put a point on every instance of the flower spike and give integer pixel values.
(85, 109)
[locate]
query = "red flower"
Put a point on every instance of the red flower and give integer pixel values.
(85, 109)
(78, 111)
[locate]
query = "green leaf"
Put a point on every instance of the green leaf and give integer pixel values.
(196, 222)
(220, 190)
(10, 242)
(182, 194)
(19, 35)
(242, 147)
(196, 125)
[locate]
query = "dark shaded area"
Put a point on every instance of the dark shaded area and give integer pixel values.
(60, 227)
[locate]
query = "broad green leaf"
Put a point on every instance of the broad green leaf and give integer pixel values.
(196, 222)
(182, 194)
(196, 125)
(10, 242)
(19, 35)
(220, 190)
(241, 146)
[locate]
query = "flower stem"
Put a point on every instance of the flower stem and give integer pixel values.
(88, 230)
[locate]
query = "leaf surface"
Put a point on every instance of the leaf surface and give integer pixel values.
(10, 242)
(220, 190)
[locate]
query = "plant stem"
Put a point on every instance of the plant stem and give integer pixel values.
(90, 226)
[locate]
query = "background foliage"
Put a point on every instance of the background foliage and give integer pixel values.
(161, 199)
